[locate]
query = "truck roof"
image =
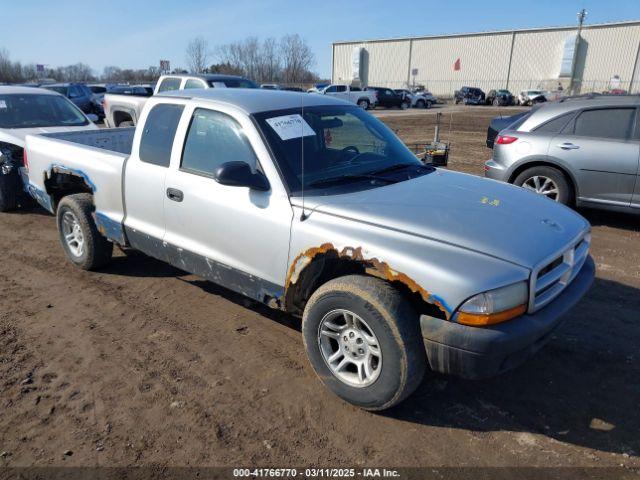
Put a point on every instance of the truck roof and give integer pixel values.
(16, 89)
(254, 100)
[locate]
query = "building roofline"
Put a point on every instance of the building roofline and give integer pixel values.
(492, 32)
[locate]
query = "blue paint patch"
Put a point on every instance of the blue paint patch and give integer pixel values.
(109, 228)
(78, 173)
(40, 196)
(440, 300)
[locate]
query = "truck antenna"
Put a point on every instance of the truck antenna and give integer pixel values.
(303, 216)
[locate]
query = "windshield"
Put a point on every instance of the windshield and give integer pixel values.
(38, 110)
(234, 83)
(344, 148)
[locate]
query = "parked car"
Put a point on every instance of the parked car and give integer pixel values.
(26, 110)
(500, 123)
(78, 93)
(99, 89)
(123, 110)
(422, 99)
(363, 98)
(500, 97)
(584, 152)
(531, 97)
(389, 99)
(469, 96)
(351, 243)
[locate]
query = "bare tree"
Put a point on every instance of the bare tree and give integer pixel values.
(297, 58)
(270, 64)
(197, 55)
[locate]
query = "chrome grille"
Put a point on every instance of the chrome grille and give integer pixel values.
(552, 276)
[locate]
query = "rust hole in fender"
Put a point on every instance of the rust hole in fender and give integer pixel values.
(372, 266)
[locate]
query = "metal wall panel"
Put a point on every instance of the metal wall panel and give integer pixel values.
(484, 62)
(535, 58)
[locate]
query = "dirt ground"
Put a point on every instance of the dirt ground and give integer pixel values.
(143, 364)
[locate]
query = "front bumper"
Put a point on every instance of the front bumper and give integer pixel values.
(477, 352)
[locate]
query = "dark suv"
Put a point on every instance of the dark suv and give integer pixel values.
(388, 98)
(469, 96)
(79, 94)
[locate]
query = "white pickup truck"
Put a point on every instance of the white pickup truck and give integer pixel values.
(124, 110)
(363, 98)
(311, 205)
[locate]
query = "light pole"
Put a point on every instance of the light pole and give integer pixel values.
(582, 14)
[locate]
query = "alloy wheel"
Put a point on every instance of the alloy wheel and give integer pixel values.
(350, 348)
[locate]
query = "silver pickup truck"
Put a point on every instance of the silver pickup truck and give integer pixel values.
(124, 110)
(311, 205)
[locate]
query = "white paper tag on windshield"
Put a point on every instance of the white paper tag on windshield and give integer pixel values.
(290, 126)
(3, 104)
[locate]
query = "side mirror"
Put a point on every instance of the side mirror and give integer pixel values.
(239, 174)
(93, 117)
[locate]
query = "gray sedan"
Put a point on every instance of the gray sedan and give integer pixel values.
(581, 151)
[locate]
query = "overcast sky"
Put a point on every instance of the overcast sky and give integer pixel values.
(136, 34)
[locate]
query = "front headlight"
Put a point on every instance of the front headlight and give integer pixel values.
(495, 306)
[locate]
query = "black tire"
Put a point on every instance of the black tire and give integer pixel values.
(392, 320)
(496, 103)
(421, 104)
(8, 194)
(405, 105)
(364, 103)
(429, 104)
(565, 192)
(97, 250)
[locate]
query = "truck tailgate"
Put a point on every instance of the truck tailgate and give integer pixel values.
(97, 157)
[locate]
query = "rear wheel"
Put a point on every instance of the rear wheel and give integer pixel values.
(83, 244)
(421, 104)
(363, 103)
(405, 104)
(364, 342)
(547, 181)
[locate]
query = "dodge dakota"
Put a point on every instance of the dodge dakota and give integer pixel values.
(311, 205)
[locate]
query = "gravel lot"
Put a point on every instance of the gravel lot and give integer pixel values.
(143, 364)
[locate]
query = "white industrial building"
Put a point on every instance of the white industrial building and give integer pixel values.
(602, 57)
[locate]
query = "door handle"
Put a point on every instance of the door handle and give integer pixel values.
(175, 194)
(568, 146)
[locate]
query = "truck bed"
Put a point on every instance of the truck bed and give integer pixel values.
(118, 140)
(93, 159)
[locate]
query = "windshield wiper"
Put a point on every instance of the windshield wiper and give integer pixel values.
(397, 166)
(349, 176)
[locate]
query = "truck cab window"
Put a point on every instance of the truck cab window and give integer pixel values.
(213, 139)
(159, 131)
(168, 84)
(191, 83)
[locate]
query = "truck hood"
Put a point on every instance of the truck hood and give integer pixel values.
(17, 136)
(478, 214)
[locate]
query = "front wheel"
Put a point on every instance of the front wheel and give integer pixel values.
(546, 181)
(421, 104)
(8, 194)
(83, 244)
(405, 105)
(364, 342)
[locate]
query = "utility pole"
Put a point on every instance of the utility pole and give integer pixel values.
(582, 14)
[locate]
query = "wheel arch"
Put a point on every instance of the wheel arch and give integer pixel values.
(319, 265)
(573, 184)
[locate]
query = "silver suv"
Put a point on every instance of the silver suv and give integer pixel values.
(582, 150)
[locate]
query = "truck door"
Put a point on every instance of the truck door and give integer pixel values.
(235, 236)
(597, 144)
(635, 200)
(144, 177)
